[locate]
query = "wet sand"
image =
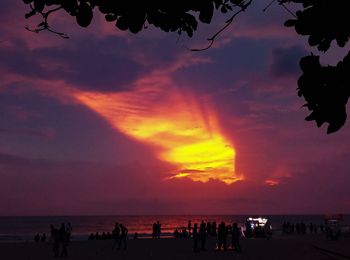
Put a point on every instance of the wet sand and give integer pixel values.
(279, 247)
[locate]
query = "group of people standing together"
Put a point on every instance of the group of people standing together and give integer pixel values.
(120, 236)
(60, 238)
(221, 232)
(156, 230)
(301, 228)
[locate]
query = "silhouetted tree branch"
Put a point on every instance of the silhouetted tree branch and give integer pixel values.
(228, 23)
(325, 88)
(44, 25)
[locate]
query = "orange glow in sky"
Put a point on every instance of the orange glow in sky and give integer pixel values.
(181, 131)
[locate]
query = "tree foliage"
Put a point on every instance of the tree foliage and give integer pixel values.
(326, 89)
(169, 16)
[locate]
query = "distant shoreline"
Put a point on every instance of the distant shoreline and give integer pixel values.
(21, 229)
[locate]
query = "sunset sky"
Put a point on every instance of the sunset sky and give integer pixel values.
(109, 122)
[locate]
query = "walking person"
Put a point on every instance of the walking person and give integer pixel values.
(202, 235)
(236, 233)
(154, 230)
(54, 239)
(63, 240)
(222, 236)
(189, 227)
(123, 236)
(116, 235)
(195, 237)
(158, 229)
(268, 230)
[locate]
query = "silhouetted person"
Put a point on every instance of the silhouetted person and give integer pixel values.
(235, 232)
(213, 229)
(189, 227)
(176, 233)
(154, 230)
(158, 229)
(222, 236)
(92, 236)
(322, 227)
(195, 237)
(303, 227)
(184, 233)
(267, 230)
(248, 229)
(297, 227)
(311, 227)
(202, 235)
(123, 236)
(136, 235)
(63, 240)
(43, 238)
(209, 228)
(55, 240)
(116, 235)
(37, 238)
(69, 230)
(284, 227)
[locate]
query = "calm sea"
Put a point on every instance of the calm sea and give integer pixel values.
(24, 228)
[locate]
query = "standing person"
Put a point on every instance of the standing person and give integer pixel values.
(37, 238)
(116, 235)
(69, 230)
(213, 229)
(123, 236)
(63, 240)
(222, 236)
(54, 239)
(202, 235)
(302, 227)
(208, 228)
(154, 230)
(189, 227)
(235, 232)
(43, 238)
(268, 230)
(195, 237)
(158, 229)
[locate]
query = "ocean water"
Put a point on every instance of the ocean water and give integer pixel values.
(24, 228)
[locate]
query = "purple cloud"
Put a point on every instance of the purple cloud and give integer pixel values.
(285, 61)
(46, 133)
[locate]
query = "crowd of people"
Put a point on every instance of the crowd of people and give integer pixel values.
(200, 233)
(301, 228)
(102, 236)
(40, 238)
(258, 230)
(119, 234)
(226, 235)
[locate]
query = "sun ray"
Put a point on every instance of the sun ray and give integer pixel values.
(182, 132)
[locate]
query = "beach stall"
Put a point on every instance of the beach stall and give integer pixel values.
(257, 227)
(333, 229)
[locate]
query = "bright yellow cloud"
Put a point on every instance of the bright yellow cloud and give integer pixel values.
(184, 133)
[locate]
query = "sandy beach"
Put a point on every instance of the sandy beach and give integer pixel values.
(279, 247)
